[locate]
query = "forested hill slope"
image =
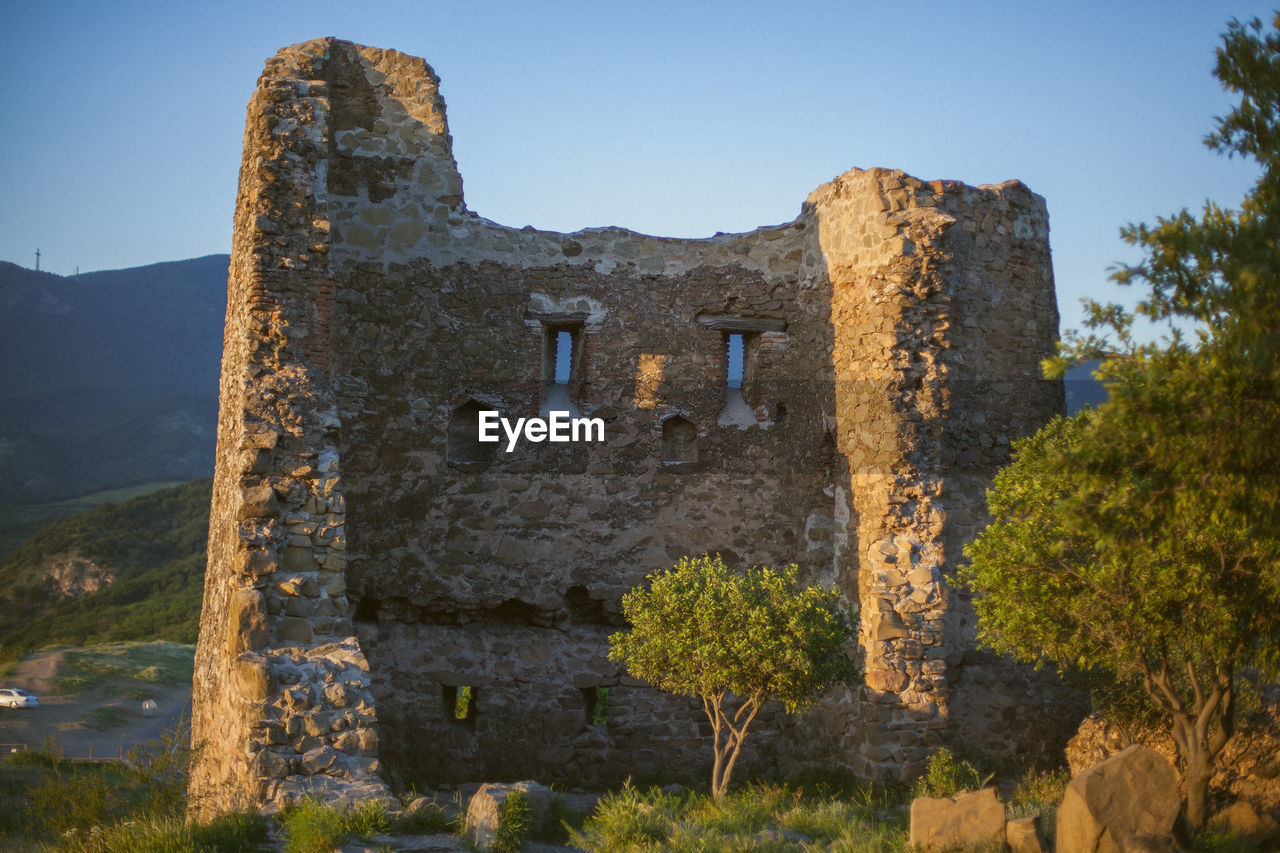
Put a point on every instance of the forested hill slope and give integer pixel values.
(130, 571)
(108, 378)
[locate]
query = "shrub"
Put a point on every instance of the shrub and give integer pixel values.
(945, 775)
(310, 826)
(1040, 794)
(367, 818)
(515, 822)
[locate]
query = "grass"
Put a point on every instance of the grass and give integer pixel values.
(757, 818)
(515, 822)
(159, 663)
(57, 806)
(1040, 794)
(107, 717)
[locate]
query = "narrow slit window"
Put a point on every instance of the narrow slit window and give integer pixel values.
(564, 356)
(561, 366)
(459, 703)
(596, 700)
(736, 352)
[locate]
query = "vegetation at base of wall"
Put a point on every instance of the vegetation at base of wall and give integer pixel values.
(946, 775)
(431, 818)
(153, 545)
(1039, 793)
(311, 827)
(58, 806)
(515, 823)
(758, 818)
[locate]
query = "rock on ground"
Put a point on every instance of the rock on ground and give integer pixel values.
(485, 809)
(969, 820)
(1135, 792)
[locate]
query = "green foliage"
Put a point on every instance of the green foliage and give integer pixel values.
(562, 820)
(310, 826)
(515, 823)
(52, 804)
(1039, 793)
(154, 545)
(1143, 538)
(945, 775)
(700, 630)
(367, 818)
(600, 711)
(757, 818)
(462, 703)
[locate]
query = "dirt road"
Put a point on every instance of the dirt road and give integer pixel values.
(103, 720)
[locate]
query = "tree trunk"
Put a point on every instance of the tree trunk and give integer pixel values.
(1200, 769)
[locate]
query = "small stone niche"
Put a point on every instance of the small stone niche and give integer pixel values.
(464, 447)
(679, 442)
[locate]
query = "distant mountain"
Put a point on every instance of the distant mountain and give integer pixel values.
(128, 571)
(1082, 389)
(108, 378)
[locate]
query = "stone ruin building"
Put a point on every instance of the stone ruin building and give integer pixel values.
(371, 562)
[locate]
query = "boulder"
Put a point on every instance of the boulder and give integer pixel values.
(1243, 820)
(1134, 792)
(969, 820)
(1022, 836)
(485, 809)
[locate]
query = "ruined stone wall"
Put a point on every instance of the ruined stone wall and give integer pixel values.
(366, 553)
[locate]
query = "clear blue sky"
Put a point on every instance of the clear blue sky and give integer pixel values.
(122, 122)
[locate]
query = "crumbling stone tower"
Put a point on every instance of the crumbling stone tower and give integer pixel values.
(371, 563)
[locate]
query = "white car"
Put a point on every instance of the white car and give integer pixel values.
(15, 698)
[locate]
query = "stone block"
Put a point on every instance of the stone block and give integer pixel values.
(1022, 836)
(317, 760)
(338, 695)
(292, 629)
(258, 502)
(299, 558)
(485, 808)
(271, 764)
(247, 622)
(255, 562)
(973, 819)
(252, 676)
(1134, 792)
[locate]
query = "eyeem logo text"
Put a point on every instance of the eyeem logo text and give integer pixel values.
(558, 427)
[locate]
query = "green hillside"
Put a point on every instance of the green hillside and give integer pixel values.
(145, 557)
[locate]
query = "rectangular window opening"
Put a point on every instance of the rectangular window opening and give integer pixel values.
(736, 352)
(459, 703)
(561, 366)
(596, 701)
(564, 356)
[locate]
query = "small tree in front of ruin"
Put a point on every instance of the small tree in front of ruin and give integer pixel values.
(736, 642)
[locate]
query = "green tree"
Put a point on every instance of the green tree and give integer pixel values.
(735, 642)
(1143, 538)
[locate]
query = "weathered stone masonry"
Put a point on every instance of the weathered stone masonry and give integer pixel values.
(368, 559)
